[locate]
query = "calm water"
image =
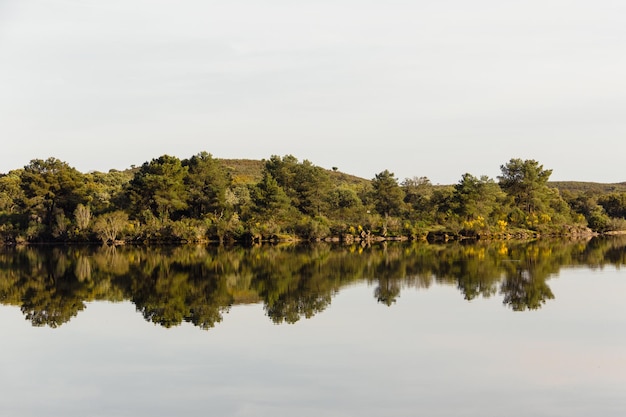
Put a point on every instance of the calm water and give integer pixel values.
(503, 329)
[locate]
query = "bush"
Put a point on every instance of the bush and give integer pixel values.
(599, 221)
(313, 228)
(617, 224)
(189, 230)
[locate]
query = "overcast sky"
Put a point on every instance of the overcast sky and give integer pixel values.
(422, 88)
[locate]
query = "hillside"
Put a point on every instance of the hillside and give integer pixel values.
(243, 171)
(250, 171)
(590, 188)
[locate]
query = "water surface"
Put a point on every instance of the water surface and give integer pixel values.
(509, 328)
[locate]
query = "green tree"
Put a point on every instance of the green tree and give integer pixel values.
(476, 198)
(305, 184)
(344, 204)
(388, 199)
(52, 190)
(417, 194)
(598, 220)
(206, 183)
(526, 182)
(311, 187)
(159, 186)
(283, 170)
(536, 205)
(387, 194)
(107, 190)
(614, 204)
(11, 193)
(269, 198)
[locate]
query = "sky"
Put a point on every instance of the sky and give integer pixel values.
(421, 88)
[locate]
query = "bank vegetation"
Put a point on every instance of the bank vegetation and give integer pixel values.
(202, 198)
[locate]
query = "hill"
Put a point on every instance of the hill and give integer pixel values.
(244, 171)
(250, 171)
(589, 188)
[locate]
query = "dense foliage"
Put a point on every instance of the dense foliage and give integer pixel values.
(203, 198)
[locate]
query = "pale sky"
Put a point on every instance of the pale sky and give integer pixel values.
(422, 88)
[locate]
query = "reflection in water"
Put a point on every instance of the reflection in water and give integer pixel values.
(198, 284)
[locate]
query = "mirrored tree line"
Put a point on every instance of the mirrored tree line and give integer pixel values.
(170, 285)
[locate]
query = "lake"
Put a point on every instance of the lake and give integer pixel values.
(487, 329)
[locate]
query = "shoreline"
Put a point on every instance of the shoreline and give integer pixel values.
(431, 237)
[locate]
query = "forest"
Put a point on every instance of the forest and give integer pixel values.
(204, 199)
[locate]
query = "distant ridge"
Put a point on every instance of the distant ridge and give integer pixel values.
(250, 171)
(591, 188)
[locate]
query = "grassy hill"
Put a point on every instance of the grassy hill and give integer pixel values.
(244, 171)
(250, 171)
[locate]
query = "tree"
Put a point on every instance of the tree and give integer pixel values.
(109, 225)
(82, 217)
(282, 170)
(536, 204)
(442, 203)
(11, 193)
(206, 183)
(525, 181)
(476, 197)
(388, 196)
(311, 186)
(598, 221)
(304, 183)
(159, 186)
(417, 193)
(106, 190)
(344, 203)
(614, 204)
(52, 188)
(269, 197)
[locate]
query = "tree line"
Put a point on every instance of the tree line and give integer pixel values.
(199, 199)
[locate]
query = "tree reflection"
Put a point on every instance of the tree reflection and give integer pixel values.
(390, 268)
(523, 291)
(199, 284)
(387, 291)
(296, 282)
(524, 285)
(180, 287)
